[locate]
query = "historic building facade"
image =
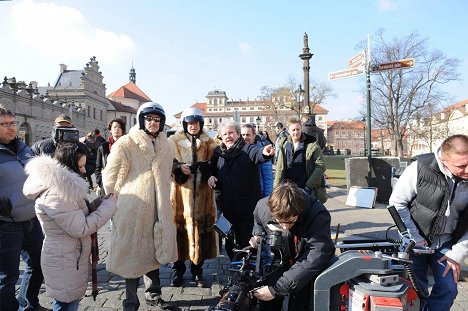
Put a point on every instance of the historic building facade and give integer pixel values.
(219, 108)
(78, 93)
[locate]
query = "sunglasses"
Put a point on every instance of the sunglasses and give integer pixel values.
(150, 118)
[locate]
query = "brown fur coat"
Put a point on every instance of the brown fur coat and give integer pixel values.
(193, 200)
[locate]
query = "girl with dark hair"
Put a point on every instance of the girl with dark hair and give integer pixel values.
(67, 219)
(117, 129)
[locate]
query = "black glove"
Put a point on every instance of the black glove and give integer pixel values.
(5, 207)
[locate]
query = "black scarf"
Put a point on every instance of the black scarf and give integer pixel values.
(230, 153)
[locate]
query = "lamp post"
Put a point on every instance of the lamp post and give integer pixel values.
(363, 120)
(257, 121)
(299, 98)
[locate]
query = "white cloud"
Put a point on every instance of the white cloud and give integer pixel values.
(388, 5)
(245, 47)
(62, 32)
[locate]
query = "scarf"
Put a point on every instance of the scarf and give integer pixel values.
(230, 153)
(111, 141)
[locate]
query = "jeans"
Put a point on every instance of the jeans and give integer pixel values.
(20, 239)
(65, 306)
(444, 291)
(152, 290)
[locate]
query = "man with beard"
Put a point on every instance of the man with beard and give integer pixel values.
(236, 175)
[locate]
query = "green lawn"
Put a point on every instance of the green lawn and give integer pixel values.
(335, 170)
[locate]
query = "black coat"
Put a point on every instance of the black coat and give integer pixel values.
(315, 247)
(101, 161)
(238, 177)
(48, 146)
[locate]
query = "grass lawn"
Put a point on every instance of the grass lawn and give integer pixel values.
(335, 172)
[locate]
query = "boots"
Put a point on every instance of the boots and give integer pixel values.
(177, 279)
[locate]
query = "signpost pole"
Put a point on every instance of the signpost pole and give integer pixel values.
(369, 132)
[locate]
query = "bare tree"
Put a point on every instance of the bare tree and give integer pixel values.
(398, 95)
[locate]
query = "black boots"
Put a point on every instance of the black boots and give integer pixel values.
(200, 280)
(177, 279)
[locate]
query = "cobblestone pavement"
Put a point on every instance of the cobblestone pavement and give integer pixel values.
(354, 222)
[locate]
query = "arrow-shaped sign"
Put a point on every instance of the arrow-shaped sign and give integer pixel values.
(399, 64)
(345, 73)
(357, 60)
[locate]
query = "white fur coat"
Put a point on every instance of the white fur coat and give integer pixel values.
(143, 235)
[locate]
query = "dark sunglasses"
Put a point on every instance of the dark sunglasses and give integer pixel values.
(150, 118)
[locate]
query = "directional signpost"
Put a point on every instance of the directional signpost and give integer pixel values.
(399, 64)
(357, 60)
(358, 65)
(345, 73)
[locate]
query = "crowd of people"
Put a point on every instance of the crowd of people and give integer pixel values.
(164, 194)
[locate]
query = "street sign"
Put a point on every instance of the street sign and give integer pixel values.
(345, 73)
(357, 60)
(399, 64)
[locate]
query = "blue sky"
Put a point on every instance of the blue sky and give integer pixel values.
(181, 50)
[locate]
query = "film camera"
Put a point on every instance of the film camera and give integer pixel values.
(250, 268)
(65, 134)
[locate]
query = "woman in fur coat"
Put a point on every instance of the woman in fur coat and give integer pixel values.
(192, 199)
(66, 217)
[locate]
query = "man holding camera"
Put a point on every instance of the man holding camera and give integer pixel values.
(307, 246)
(192, 199)
(20, 231)
(63, 131)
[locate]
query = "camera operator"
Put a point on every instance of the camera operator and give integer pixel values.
(307, 248)
(63, 131)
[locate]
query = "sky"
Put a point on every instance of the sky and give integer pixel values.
(181, 50)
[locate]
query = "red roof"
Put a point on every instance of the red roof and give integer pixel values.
(130, 90)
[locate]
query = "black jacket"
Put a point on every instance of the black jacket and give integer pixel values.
(48, 146)
(101, 161)
(315, 247)
(238, 177)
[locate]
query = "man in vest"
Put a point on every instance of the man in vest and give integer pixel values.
(431, 197)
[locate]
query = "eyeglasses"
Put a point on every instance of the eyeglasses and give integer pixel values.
(9, 124)
(150, 118)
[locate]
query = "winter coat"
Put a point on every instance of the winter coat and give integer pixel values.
(64, 216)
(48, 147)
(315, 247)
(314, 167)
(101, 161)
(143, 234)
(238, 177)
(266, 176)
(193, 200)
(12, 177)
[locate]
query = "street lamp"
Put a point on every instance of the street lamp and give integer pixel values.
(299, 98)
(258, 120)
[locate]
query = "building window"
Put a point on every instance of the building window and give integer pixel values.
(89, 111)
(94, 112)
(243, 108)
(134, 121)
(236, 109)
(320, 118)
(243, 120)
(228, 109)
(100, 115)
(209, 109)
(252, 108)
(220, 120)
(215, 101)
(210, 121)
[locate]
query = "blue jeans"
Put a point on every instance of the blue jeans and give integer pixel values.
(20, 239)
(65, 306)
(444, 291)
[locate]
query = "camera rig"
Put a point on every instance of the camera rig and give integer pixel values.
(250, 269)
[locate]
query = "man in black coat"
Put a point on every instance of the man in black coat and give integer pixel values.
(307, 248)
(63, 124)
(237, 175)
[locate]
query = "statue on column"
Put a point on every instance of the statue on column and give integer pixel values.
(306, 40)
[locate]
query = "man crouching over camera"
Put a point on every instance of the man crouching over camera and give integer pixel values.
(307, 244)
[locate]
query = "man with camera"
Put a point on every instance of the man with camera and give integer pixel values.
(192, 199)
(307, 245)
(20, 231)
(63, 132)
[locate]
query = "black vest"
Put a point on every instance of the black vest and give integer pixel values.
(429, 206)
